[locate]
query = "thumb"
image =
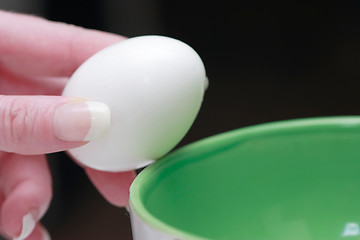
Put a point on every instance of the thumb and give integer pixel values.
(44, 124)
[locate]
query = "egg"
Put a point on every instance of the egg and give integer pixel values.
(154, 88)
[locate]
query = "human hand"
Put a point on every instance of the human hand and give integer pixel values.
(36, 59)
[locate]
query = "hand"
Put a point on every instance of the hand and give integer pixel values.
(36, 59)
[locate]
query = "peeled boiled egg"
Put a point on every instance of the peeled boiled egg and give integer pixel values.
(153, 86)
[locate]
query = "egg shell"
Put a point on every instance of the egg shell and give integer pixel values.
(154, 87)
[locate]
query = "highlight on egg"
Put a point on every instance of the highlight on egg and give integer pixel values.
(153, 86)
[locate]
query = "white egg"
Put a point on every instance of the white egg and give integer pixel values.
(154, 87)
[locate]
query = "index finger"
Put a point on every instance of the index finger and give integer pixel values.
(35, 46)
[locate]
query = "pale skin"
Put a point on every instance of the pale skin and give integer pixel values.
(36, 58)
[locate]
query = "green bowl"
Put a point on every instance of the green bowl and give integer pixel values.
(289, 180)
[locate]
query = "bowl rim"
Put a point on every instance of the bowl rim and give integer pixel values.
(295, 125)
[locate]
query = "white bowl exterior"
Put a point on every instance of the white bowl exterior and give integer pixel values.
(143, 231)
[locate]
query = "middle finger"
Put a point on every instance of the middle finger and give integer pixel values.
(16, 84)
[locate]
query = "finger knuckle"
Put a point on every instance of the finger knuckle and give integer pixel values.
(15, 120)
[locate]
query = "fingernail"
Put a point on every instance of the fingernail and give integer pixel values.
(81, 121)
(28, 225)
(127, 208)
(45, 234)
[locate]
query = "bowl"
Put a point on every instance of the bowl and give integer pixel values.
(288, 180)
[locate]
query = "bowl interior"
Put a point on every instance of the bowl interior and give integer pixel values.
(280, 181)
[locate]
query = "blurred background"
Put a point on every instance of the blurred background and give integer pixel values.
(266, 61)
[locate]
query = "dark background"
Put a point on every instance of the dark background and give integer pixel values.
(266, 61)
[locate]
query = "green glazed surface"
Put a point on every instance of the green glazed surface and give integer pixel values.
(290, 180)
